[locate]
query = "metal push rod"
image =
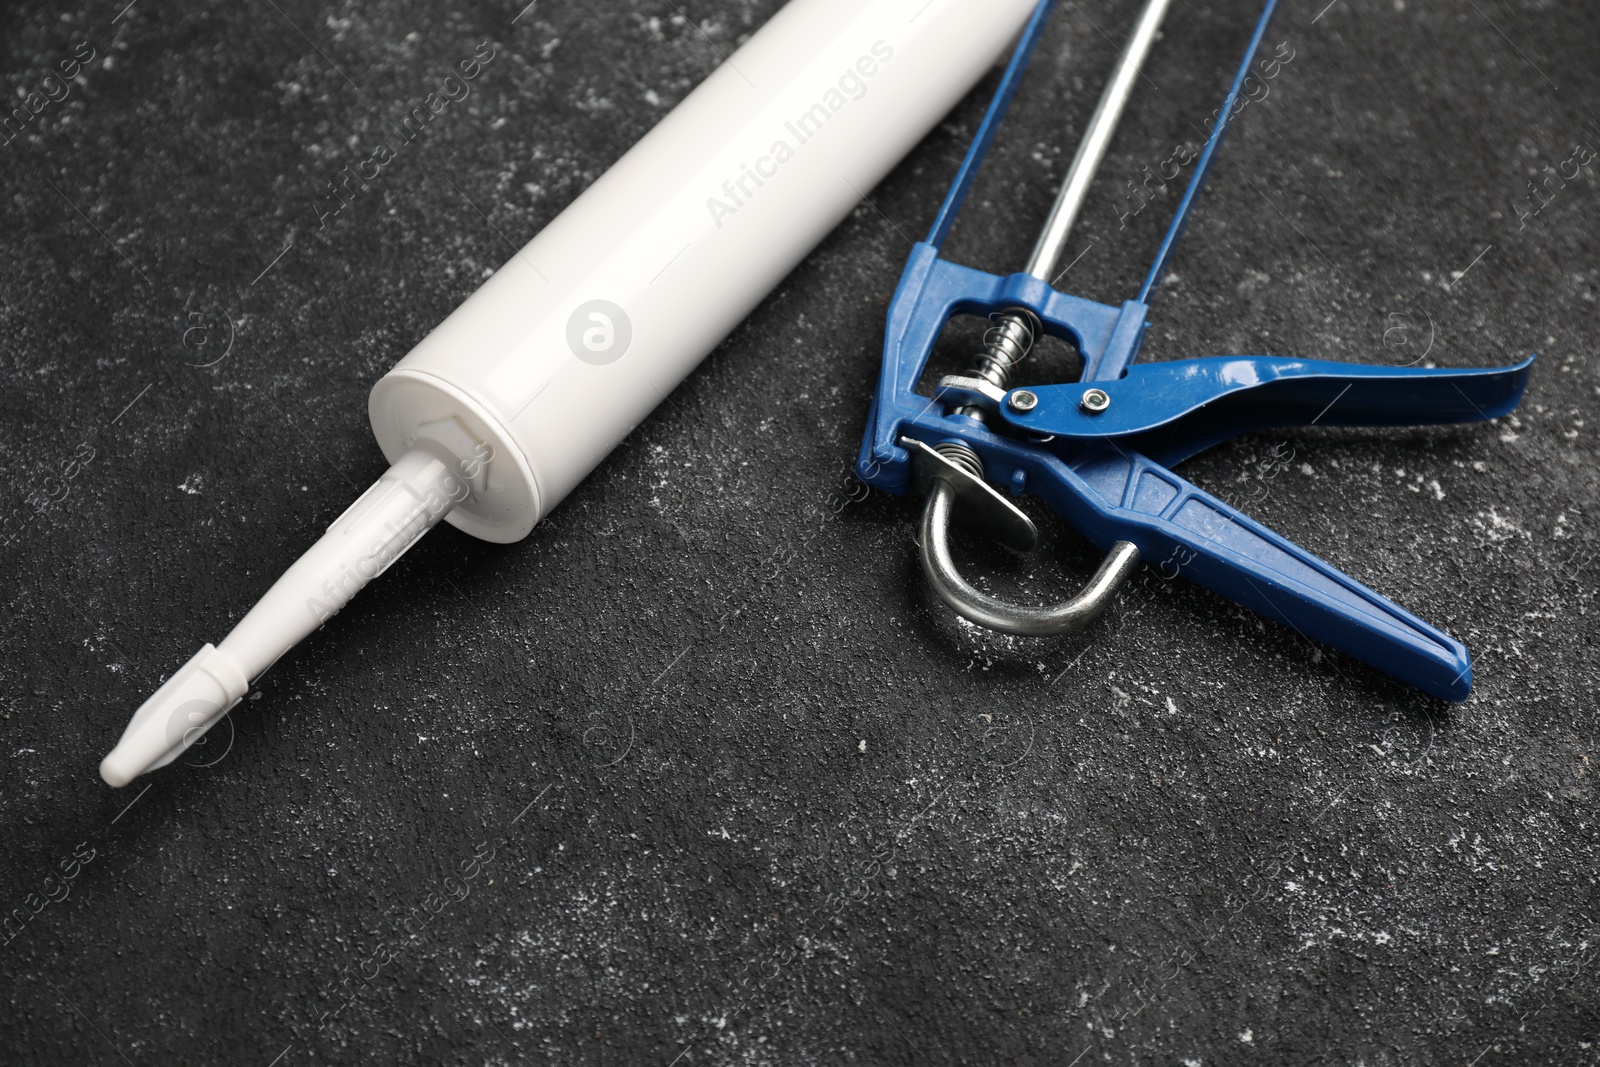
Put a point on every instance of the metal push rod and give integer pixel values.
(1006, 344)
(1096, 139)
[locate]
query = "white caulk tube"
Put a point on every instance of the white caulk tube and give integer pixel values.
(502, 410)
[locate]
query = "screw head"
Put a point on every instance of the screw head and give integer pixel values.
(1094, 401)
(1023, 400)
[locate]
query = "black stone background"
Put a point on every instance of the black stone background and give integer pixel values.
(697, 773)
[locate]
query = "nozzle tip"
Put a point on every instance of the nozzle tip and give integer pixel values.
(175, 716)
(117, 769)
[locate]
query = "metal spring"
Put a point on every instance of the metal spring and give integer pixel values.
(1005, 344)
(962, 456)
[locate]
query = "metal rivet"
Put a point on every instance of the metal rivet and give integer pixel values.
(1023, 400)
(1094, 401)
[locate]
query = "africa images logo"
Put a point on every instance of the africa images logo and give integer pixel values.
(851, 85)
(598, 332)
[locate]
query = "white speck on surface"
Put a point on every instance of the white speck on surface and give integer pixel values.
(1252, 280)
(862, 747)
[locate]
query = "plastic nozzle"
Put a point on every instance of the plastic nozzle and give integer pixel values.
(405, 503)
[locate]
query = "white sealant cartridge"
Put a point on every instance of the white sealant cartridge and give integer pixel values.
(492, 419)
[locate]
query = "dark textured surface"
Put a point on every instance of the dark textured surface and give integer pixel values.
(751, 797)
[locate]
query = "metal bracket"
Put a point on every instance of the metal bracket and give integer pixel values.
(958, 390)
(983, 510)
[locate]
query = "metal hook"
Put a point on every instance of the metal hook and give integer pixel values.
(951, 472)
(996, 614)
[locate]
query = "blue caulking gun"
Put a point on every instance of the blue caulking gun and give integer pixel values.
(1099, 450)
